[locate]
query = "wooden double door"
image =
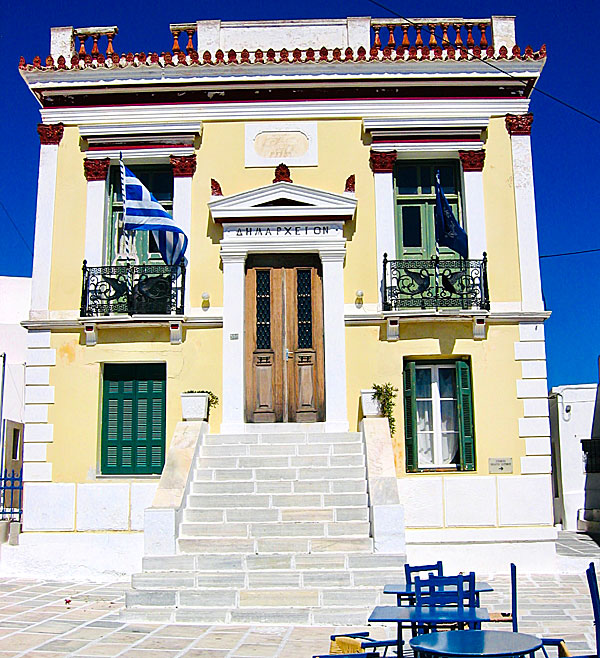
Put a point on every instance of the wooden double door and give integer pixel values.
(284, 339)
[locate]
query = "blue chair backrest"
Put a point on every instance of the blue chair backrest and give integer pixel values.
(593, 583)
(513, 597)
(433, 569)
(456, 591)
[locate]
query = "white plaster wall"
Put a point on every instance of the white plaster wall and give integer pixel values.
(95, 557)
(470, 501)
(103, 506)
(48, 506)
(568, 428)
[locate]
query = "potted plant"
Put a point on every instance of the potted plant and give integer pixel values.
(196, 405)
(385, 397)
(370, 406)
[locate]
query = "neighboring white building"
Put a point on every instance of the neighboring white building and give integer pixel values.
(571, 418)
(15, 296)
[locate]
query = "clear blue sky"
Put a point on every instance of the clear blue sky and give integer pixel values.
(565, 144)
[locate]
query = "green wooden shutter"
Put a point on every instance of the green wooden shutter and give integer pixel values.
(410, 418)
(133, 419)
(465, 416)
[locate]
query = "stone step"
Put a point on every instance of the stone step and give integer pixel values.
(231, 471)
(343, 616)
(211, 562)
(275, 545)
(270, 501)
(280, 462)
(280, 529)
(278, 486)
(275, 515)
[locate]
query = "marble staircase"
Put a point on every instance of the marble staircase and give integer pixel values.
(275, 529)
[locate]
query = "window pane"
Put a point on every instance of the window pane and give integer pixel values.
(449, 447)
(407, 180)
(411, 226)
(427, 175)
(423, 380)
(424, 416)
(425, 443)
(152, 244)
(447, 380)
(448, 414)
(447, 180)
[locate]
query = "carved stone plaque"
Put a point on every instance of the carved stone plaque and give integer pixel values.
(269, 143)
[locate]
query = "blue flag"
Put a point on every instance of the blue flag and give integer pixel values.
(448, 232)
(142, 212)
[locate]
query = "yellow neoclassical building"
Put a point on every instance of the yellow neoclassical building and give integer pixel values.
(300, 160)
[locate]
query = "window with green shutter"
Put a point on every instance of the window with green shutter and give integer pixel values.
(438, 416)
(133, 419)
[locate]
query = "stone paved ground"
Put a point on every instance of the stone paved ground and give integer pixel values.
(574, 544)
(46, 619)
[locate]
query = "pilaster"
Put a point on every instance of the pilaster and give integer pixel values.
(184, 168)
(472, 163)
(519, 128)
(50, 137)
(96, 172)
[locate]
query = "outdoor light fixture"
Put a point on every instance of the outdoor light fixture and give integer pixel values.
(359, 294)
(205, 296)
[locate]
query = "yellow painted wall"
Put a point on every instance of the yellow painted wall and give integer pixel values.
(494, 374)
(342, 152)
(500, 215)
(76, 377)
(68, 240)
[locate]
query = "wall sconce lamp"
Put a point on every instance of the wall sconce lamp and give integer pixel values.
(205, 301)
(358, 302)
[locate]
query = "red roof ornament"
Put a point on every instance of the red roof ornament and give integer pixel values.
(282, 174)
(215, 188)
(350, 184)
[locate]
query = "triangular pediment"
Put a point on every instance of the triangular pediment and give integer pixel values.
(282, 200)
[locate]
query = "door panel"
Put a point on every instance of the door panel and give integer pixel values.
(284, 340)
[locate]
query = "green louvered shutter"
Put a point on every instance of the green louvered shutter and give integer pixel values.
(464, 392)
(410, 418)
(133, 419)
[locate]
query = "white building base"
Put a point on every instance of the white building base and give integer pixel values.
(94, 557)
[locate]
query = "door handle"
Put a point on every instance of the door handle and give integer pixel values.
(288, 354)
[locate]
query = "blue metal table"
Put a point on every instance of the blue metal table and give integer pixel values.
(409, 615)
(469, 644)
(406, 592)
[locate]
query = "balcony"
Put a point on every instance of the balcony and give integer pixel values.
(435, 283)
(132, 290)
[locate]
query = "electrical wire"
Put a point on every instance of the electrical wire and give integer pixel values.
(571, 253)
(12, 221)
(497, 68)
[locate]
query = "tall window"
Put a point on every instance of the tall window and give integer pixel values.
(438, 416)
(137, 246)
(415, 204)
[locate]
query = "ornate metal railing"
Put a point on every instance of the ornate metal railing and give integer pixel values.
(132, 289)
(435, 283)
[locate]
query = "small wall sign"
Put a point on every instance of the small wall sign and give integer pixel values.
(500, 465)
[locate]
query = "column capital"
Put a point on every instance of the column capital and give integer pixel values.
(96, 170)
(50, 133)
(382, 162)
(184, 166)
(234, 256)
(519, 124)
(333, 255)
(472, 160)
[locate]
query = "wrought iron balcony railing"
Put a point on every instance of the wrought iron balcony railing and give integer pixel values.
(435, 283)
(132, 289)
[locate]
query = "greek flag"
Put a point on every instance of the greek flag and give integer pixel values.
(448, 232)
(142, 212)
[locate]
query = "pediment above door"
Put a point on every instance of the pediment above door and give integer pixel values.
(281, 201)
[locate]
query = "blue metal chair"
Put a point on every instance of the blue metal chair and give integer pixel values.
(432, 569)
(363, 645)
(446, 590)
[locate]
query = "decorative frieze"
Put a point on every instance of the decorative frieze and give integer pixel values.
(350, 184)
(282, 174)
(96, 170)
(382, 162)
(184, 166)
(519, 124)
(50, 133)
(472, 160)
